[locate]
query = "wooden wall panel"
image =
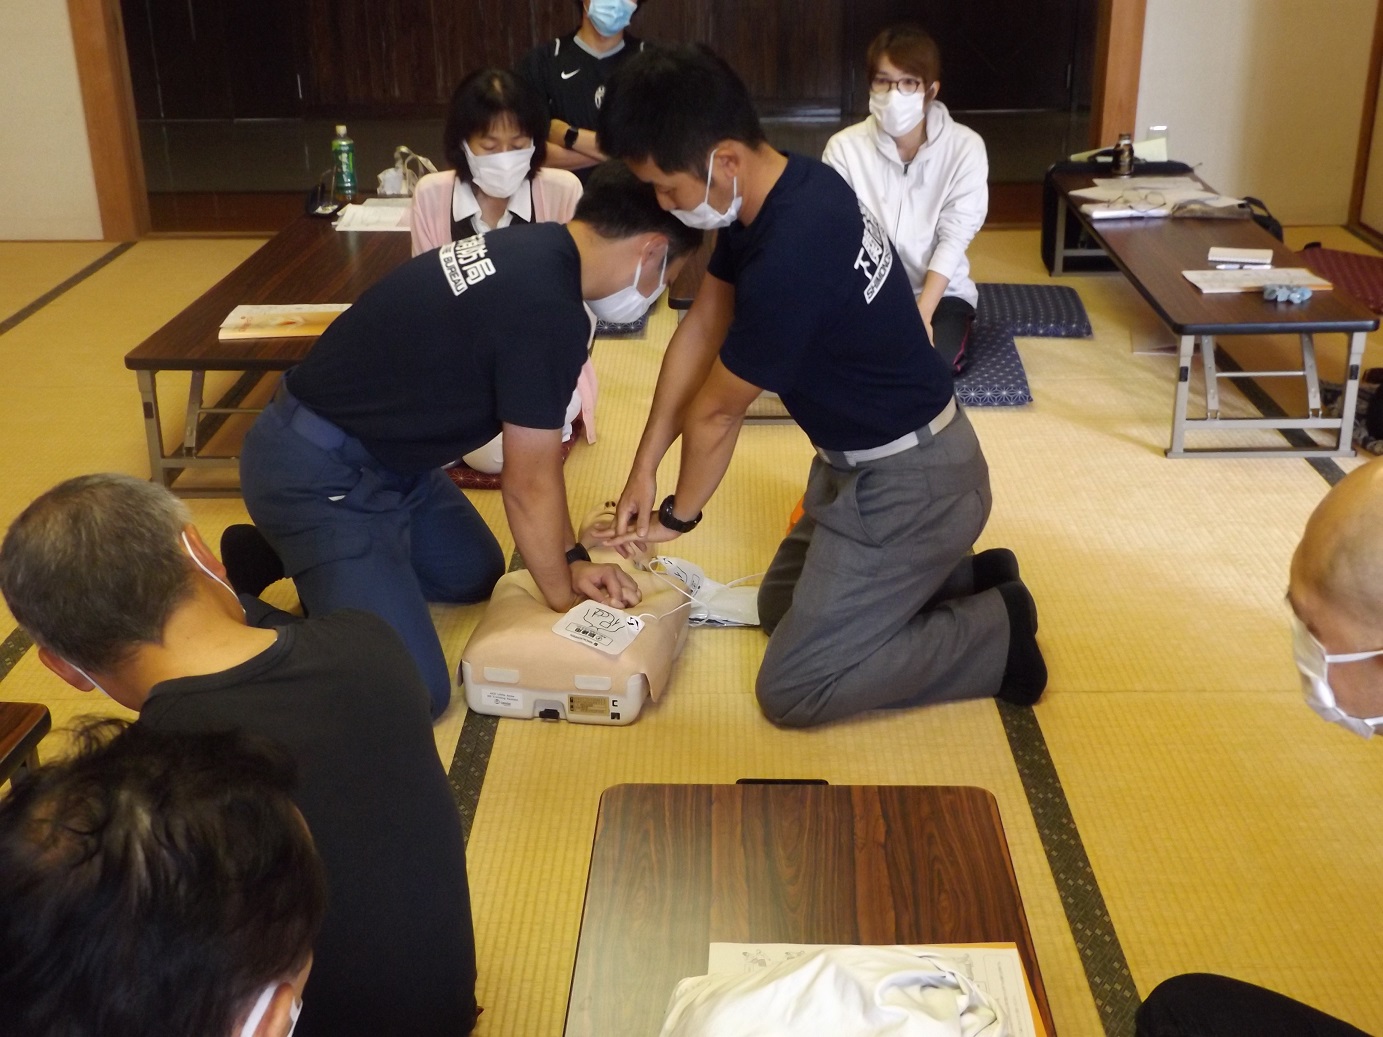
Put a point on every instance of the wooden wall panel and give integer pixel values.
(787, 51)
(1118, 63)
(98, 38)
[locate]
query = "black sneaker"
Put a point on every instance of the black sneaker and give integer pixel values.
(1025, 672)
(251, 562)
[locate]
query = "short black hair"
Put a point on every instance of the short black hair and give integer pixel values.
(152, 884)
(673, 105)
(617, 204)
(484, 96)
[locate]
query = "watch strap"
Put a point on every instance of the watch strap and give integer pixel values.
(570, 138)
(671, 521)
(578, 554)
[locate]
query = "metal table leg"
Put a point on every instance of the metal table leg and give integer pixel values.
(1311, 374)
(1186, 349)
(1059, 242)
(1344, 447)
(153, 427)
(1212, 376)
(194, 413)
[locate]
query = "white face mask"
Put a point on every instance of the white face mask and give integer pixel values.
(198, 563)
(1314, 663)
(501, 174)
(898, 113)
(261, 1006)
(705, 216)
(610, 16)
(628, 304)
(89, 677)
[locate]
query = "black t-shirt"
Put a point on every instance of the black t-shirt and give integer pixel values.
(429, 361)
(825, 315)
(396, 955)
(571, 79)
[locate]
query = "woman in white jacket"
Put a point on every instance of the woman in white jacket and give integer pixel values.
(924, 176)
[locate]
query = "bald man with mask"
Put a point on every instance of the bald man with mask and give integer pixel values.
(1336, 595)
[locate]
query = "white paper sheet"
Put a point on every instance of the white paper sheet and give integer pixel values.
(1214, 281)
(998, 971)
(375, 217)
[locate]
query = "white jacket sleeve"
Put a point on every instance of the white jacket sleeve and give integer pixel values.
(836, 157)
(962, 210)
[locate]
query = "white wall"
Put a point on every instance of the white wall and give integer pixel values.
(1263, 96)
(47, 190)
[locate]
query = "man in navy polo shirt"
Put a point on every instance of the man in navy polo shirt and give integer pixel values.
(873, 600)
(342, 473)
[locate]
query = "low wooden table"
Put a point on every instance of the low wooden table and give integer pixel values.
(22, 727)
(677, 867)
(1153, 252)
(307, 262)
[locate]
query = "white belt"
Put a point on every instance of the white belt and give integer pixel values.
(851, 458)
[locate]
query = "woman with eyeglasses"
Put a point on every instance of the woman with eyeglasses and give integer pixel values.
(924, 176)
(496, 141)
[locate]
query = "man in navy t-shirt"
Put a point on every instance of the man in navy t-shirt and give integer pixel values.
(342, 473)
(873, 599)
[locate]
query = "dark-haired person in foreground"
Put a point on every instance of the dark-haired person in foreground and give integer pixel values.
(114, 584)
(343, 472)
(804, 296)
(571, 72)
(156, 886)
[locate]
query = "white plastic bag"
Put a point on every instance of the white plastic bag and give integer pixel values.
(400, 180)
(837, 992)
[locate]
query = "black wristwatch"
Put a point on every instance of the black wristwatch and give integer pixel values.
(571, 137)
(578, 554)
(671, 521)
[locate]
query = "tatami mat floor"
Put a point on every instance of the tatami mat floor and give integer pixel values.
(1226, 825)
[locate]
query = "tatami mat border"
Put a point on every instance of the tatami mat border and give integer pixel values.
(1106, 967)
(24, 313)
(12, 649)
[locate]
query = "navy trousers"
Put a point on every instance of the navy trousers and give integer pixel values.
(355, 534)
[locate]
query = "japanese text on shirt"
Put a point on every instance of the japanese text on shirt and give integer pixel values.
(875, 257)
(465, 263)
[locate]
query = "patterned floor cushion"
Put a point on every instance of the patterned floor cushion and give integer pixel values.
(994, 377)
(1039, 310)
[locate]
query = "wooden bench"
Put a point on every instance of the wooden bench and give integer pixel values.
(22, 727)
(307, 262)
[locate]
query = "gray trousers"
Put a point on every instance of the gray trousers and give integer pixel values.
(852, 598)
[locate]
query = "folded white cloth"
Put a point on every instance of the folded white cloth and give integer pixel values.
(837, 992)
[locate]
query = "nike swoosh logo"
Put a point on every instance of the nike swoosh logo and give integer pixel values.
(568, 75)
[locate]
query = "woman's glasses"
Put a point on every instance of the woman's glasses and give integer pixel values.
(882, 84)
